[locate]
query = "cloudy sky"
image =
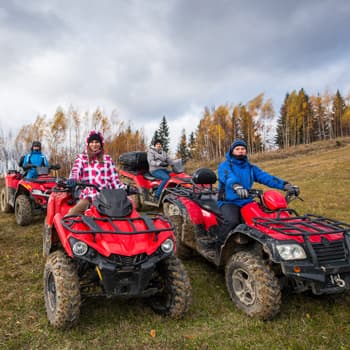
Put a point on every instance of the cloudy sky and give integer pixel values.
(151, 58)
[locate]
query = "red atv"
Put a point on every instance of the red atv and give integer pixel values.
(110, 251)
(134, 170)
(274, 247)
(27, 197)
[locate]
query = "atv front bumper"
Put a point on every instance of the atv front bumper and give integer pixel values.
(321, 280)
(127, 276)
(130, 281)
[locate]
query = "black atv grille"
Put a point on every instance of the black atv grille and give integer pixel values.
(330, 252)
(127, 260)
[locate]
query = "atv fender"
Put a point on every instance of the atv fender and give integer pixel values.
(244, 237)
(176, 210)
(57, 220)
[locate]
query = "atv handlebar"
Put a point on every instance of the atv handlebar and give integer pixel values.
(290, 196)
(32, 166)
(63, 186)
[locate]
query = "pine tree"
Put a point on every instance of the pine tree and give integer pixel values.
(182, 149)
(338, 110)
(282, 129)
(163, 133)
(192, 146)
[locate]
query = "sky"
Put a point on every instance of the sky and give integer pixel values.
(172, 58)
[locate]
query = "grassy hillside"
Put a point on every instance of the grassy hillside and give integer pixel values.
(213, 322)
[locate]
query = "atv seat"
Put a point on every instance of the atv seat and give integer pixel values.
(204, 176)
(207, 197)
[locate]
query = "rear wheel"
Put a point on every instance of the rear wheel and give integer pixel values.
(175, 294)
(5, 207)
(23, 210)
(253, 286)
(61, 290)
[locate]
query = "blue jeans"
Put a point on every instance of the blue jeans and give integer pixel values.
(164, 176)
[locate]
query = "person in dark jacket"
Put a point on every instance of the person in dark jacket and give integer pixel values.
(35, 157)
(236, 176)
(158, 161)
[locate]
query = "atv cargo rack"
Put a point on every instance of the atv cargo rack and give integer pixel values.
(107, 225)
(305, 225)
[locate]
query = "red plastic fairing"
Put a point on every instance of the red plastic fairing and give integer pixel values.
(114, 243)
(281, 225)
(12, 180)
(199, 216)
(137, 178)
(140, 181)
(57, 203)
(274, 200)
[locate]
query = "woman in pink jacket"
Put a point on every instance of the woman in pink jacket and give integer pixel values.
(95, 167)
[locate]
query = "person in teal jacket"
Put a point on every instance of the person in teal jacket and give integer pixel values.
(236, 176)
(35, 157)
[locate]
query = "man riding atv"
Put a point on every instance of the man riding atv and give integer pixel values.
(236, 176)
(158, 161)
(34, 157)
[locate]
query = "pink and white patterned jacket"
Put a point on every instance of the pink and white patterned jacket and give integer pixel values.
(103, 175)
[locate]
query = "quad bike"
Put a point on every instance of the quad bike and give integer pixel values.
(134, 170)
(274, 247)
(110, 251)
(27, 197)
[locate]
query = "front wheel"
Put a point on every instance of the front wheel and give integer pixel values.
(61, 290)
(23, 210)
(175, 293)
(5, 207)
(253, 286)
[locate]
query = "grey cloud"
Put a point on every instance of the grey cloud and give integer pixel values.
(156, 58)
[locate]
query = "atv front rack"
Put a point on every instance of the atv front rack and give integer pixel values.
(81, 224)
(305, 225)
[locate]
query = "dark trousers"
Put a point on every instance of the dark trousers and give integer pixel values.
(232, 218)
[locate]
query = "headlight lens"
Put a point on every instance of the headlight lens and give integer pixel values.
(291, 252)
(167, 246)
(80, 248)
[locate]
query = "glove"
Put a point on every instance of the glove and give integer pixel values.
(242, 192)
(71, 183)
(163, 164)
(291, 189)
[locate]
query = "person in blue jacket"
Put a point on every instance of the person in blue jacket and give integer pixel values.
(236, 176)
(35, 157)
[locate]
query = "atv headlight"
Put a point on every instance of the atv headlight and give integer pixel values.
(291, 251)
(80, 248)
(167, 246)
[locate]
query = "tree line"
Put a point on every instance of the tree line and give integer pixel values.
(302, 119)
